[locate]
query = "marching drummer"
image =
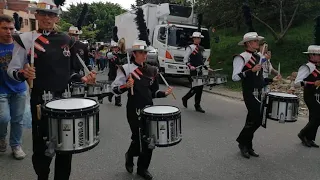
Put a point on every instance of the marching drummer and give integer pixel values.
(114, 62)
(81, 49)
(142, 78)
(267, 67)
(50, 75)
(309, 78)
(194, 60)
(245, 68)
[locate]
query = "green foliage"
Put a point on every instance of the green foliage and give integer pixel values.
(289, 53)
(101, 14)
(64, 26)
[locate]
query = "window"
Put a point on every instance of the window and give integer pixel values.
(180, 37)
(162, 35)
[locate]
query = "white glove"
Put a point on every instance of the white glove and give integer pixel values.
(110, 55)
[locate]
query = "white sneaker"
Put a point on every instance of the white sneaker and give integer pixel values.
(18, 153)
(3, 145)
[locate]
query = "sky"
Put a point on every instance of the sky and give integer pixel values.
(126, 4)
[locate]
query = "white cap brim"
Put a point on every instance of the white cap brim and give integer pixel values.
(241, 43)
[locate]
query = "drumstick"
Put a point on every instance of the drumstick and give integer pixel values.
(30, 82)
(217, 69)
(164, 80)
(263, 49)
(86, 70)
(39, 112)
(128, 59)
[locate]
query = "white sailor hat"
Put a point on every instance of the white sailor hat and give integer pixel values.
(114, 44)
(197, 35)
(313, 49)
(45, 5)
(139, 45)
(74, 30)
(250, 36)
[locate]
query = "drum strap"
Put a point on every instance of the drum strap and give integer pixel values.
(123, 71)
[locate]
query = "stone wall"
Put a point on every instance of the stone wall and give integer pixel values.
(285, 86)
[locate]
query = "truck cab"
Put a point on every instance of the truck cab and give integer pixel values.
(171, 41)
(171, 37)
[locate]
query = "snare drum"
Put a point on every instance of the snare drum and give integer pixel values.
(163, 125)
(94, 90)
(282, 106)
(211, 80)
(77, 89)
(73, 124)
(105, 86)
(198, 80)
(221, 80)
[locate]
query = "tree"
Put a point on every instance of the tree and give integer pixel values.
(101, 14)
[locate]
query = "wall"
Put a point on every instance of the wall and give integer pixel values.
(27, 19)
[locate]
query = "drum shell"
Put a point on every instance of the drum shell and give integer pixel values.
(286, 106)
(75, 131)
(105, 86)
(164, 128)
(198, 80)
(78, 90)
(94, 90)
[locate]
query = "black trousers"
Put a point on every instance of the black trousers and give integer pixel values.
(310, 130)
(41, 162)
(145, 154)
(197, 91)
(253, 120)
(117, 98)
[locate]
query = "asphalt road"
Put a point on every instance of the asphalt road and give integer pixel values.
(208, 150)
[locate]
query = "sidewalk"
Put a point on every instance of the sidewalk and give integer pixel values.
(223, 91)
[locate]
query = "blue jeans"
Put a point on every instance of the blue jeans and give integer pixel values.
(12, 108)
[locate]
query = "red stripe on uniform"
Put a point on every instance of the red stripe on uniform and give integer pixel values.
(249, 65)
(139, 72)
(314, 74)
(43, 39)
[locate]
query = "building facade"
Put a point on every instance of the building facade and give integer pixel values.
(9, 7)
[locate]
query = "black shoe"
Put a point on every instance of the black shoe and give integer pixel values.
(252, 153)
(199, 109)
(313, 144)
(118, 104)
(110, 98)
(144, 174)
(185, 103)
(304, 140)
(129, 163)
(100, 101)
(244, 151)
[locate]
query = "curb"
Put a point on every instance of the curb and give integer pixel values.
(238, 98)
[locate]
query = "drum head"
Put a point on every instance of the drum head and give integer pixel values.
(161, 109)
(70, 104)
(279, 94)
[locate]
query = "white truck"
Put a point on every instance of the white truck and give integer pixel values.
(170, 27)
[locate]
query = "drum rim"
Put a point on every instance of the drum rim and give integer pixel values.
(104, 82)
(58, 111)
(296, 97)
(147, 113)
(169, 145)
(78, 150)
